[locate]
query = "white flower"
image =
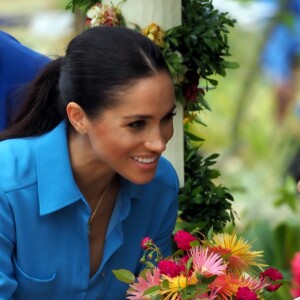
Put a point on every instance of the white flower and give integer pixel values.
(94, 12)
(95, 22)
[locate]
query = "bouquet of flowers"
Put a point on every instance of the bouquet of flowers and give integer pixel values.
(220, 267)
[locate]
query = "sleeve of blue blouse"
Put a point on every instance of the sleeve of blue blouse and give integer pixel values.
(164, 239)
(7, 282)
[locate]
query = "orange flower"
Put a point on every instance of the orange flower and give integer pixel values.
(236, 252)
(225, 285)
(155, 34)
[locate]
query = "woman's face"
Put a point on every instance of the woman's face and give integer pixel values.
(130, 137)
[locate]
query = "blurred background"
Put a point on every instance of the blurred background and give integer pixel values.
(44, 26)
(254, 122)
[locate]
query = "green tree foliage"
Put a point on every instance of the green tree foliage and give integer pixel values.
(202, 41)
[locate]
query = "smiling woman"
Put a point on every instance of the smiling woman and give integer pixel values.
(82, 177)
(142, 125)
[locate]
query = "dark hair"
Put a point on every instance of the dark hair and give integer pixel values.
(99, 63)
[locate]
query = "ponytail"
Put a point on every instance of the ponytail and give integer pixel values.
(40, 112)
(99, 63)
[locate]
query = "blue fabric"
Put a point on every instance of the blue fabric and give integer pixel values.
(18, 65)
(44, 246)
(282, 47)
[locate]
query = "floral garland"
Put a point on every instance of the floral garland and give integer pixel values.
(185, 71)
(222, 267)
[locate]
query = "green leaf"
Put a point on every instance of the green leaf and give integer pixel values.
(231, 65)
(124, 275)
(194, 137)
(152, 290)
(194, 243)
(212, 81)
(189, 263)
(210, 233)
(149, 264)
(208, 280)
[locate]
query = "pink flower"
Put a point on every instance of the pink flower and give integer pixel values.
(244, 293)
(208, 296)
(295, 272)
(183, 239)
(146, 243)
(137, 289)
(207, 264)
(170, 268)
(271, 275)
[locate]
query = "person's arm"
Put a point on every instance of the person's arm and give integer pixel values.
(8, 283)
(18, 66)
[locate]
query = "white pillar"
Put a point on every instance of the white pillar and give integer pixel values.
(166, 14)
(175, 147)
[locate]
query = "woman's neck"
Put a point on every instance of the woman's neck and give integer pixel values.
(91, 175)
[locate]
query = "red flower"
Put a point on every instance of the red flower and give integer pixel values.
(190, 92)
(244, 293)
(170, 268)
(271, 275)
(183, 239)
(184, 259)
(295, 270)
(146, 243)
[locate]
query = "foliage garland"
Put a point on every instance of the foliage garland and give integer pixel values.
(194, 51)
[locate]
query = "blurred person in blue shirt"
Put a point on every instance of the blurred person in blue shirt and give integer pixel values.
(18, 66)
(82, 180)
(281, 57)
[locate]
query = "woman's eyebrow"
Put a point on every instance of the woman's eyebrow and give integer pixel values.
(142, 116)
(137, 116)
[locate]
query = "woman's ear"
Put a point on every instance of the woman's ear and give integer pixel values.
(77, 117)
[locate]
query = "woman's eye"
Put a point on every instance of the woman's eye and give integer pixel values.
(169, 116)
(136, 124)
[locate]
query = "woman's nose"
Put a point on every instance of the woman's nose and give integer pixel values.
(156, 142)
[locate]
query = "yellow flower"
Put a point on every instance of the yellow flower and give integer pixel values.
(155, 34)
(176, 285)
(236, 252)
(189, 117)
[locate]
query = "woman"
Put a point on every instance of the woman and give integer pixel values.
(82, 178)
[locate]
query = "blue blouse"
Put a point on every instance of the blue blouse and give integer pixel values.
(18, 65)
(44, 245)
